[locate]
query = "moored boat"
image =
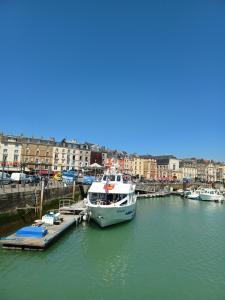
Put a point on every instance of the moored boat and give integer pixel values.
(112, 200)
(195, 194)
(211, 195)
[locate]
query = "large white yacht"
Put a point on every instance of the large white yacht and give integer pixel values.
(211, 195)
(112, 200)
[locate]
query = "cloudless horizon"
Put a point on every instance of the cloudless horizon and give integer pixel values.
(140, 76)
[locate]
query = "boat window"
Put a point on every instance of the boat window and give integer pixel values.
(106, 198)
(109, 178)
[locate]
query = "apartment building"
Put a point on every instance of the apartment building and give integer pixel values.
(99, 158)
(150, 169)
(10, 153)
(188, 169)
(115, 163)
(128, 165)
(37, 154)
(64, 155)
(211, 173)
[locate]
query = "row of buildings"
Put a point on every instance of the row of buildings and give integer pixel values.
(168, 167)
(46, 156)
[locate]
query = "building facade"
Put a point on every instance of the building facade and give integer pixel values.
(10, 153)
(188, 169)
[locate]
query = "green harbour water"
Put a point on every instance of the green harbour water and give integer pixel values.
(173, 249)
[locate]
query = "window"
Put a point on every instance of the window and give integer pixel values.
(174, 167)
(86, 158)
(15, 157)
(80, 157)
(5, 151)
(16, 151)
(55, 167)
(4, 157)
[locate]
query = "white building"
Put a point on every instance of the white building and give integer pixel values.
(64, 156)
(211, 172)
(69, 155)
(168, 167)
(10, 153)
(188, 170)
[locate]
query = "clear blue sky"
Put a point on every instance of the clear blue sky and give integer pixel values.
(142, 76)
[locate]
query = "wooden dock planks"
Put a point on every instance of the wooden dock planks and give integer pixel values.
(54, 232)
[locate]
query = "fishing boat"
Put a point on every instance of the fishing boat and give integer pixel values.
(112, 200)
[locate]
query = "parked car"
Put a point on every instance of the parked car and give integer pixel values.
(32, 179)
(18, 177)
(5, 178)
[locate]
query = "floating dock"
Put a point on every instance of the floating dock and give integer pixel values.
(153, 195)
(71, 214)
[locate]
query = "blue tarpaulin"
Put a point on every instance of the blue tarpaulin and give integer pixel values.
(88, 179)
(32, 231)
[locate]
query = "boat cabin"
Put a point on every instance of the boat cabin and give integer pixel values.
(116, 178)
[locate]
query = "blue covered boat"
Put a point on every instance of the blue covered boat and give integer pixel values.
(32, 232)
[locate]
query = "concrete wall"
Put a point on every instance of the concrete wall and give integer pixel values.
(10, 201)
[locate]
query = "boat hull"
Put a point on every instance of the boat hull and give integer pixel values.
(193, 196)
(110, 215)
(205, 197)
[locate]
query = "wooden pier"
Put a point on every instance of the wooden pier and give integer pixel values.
(71, 214)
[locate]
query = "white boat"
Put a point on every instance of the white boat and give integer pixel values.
(211, 195)
(112, 200)
(195, 194)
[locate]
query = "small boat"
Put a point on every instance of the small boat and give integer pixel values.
(195, 194)
(211, 195)
(112, 200)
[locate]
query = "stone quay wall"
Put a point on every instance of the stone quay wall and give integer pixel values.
(9, 202)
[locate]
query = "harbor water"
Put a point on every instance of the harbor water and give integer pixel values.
(173, 249)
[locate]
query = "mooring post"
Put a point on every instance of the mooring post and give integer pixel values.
(42, 196)
(74, 188)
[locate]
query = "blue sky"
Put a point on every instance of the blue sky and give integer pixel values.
(142, 76)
